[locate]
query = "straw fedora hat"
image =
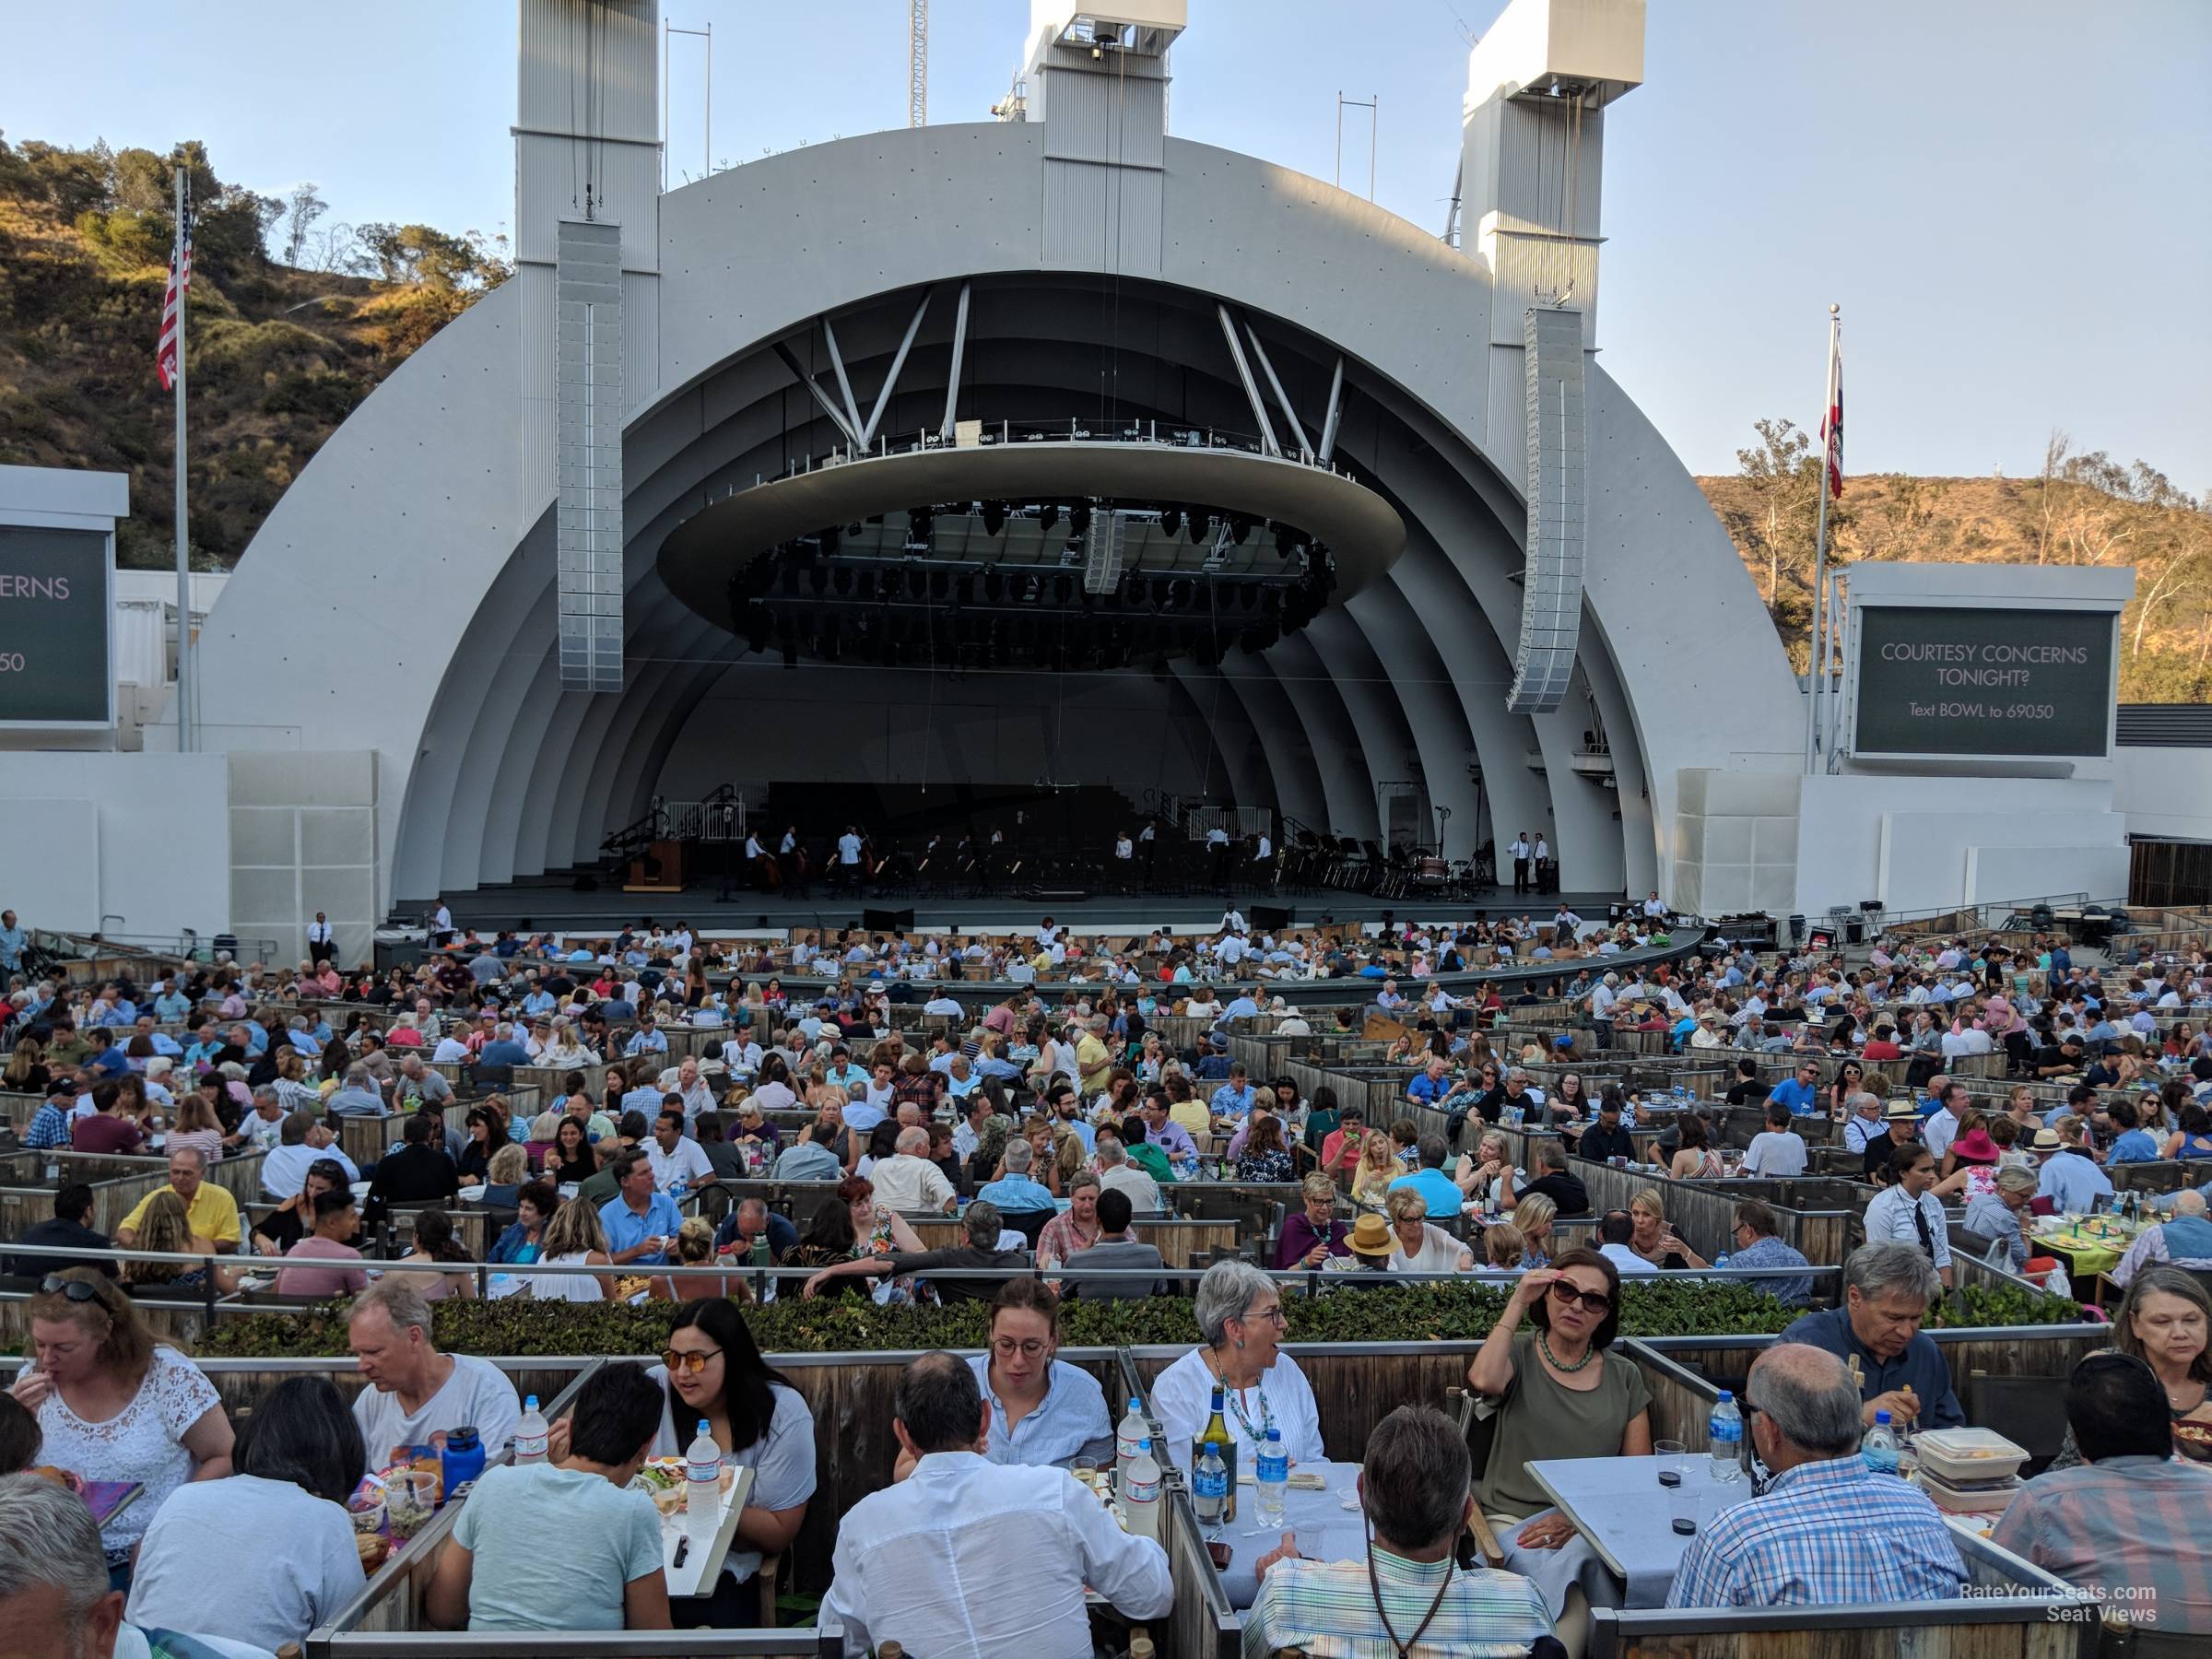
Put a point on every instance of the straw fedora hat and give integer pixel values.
(1370, 1236)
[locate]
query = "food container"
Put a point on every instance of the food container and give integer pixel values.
(1968, 1457)
(1973, 1498)
(367, 1508)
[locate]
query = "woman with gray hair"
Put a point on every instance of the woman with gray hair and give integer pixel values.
(1240, 1324)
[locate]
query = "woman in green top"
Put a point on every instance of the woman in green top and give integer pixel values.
(1556, 1393)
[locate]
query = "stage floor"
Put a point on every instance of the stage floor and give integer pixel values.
(527, 906)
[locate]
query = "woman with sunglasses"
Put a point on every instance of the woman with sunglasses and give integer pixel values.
(712, 1369)
(115, 1405)
(1555, 1392)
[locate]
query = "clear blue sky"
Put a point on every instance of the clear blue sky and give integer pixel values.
(2005, 196)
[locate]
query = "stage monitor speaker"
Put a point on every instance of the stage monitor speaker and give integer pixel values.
(886, 921)
(1270, 918)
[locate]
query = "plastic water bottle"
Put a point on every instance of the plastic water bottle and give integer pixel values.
(702, 1483)
(1720, 1263)
(1726, 1430)
(1209, 1487)
(531, 1434)
(1139, 1492)
(1879, 1446)
(1128, 1435)
(1271, 1476)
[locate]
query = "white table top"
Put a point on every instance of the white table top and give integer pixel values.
(1326, 1530)
(1618, 1505)
(702, 1562)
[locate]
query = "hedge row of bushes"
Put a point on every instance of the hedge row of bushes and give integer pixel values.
(849, 1324)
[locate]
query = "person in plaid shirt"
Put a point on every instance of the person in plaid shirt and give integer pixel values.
(50, 1126)
(2121, 1522)
(1828, 1531)
(1410, 1595)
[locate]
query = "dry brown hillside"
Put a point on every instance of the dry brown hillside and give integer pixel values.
(278, 353)
(2078, 510)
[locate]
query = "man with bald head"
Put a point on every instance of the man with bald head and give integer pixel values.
(2184, 1238)
(909, 1181)
(1828, 1531)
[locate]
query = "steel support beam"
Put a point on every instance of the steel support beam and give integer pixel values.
(1251, 390)
(844, 382)
(890, 380)
(837, 416)
(1282, 398)
(952, 377)
(1328, 424)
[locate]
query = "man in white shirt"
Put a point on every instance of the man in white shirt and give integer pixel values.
(942, 1004)
(847, 855)
(678, 1161)
(1942, 1125)
(303, 1143)
(1776, 1150)
(1518, 852)
(1614, 1231)
(414, 1391)
(964, 1556)
(908, 1180)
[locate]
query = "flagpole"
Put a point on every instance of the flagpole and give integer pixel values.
(1817, 669)
(184, 671)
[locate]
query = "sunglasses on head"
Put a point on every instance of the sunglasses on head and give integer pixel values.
(1595, 1301)
(69, 1289)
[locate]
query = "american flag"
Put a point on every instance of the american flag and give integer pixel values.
(1831, 423)
(172, 306)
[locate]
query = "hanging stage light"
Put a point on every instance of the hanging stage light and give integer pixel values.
(995, 517)
(1200, 524)
(1170, 519)
(1286, 539)
(1047, 516)
(995, 585)
(1246, 594)
(842, 581)
(1078, 518)
(940, 584)
(866, 587)
(818, 578)
(963, 591)
(830, 539)
(1064, 589)
(757, 620)
(1240, 526)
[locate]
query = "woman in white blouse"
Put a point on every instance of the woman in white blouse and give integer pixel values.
(115, 1405)
(1242, 1320)
(1422, 1248)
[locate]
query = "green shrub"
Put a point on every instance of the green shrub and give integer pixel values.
(850, 1324)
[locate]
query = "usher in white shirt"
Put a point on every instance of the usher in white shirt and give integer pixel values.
(970, 1558)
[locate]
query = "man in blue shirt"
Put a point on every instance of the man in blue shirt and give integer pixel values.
(1437, 1189)
(503, 1050)
(14, 941)
(1430, 1085)
(1877, 1334)
(2133, 1143)
(640, 1223)
(647, 1040)
(1234, 1098)
(1801, 1094)
(2069, 1180)
(1014, 1192)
